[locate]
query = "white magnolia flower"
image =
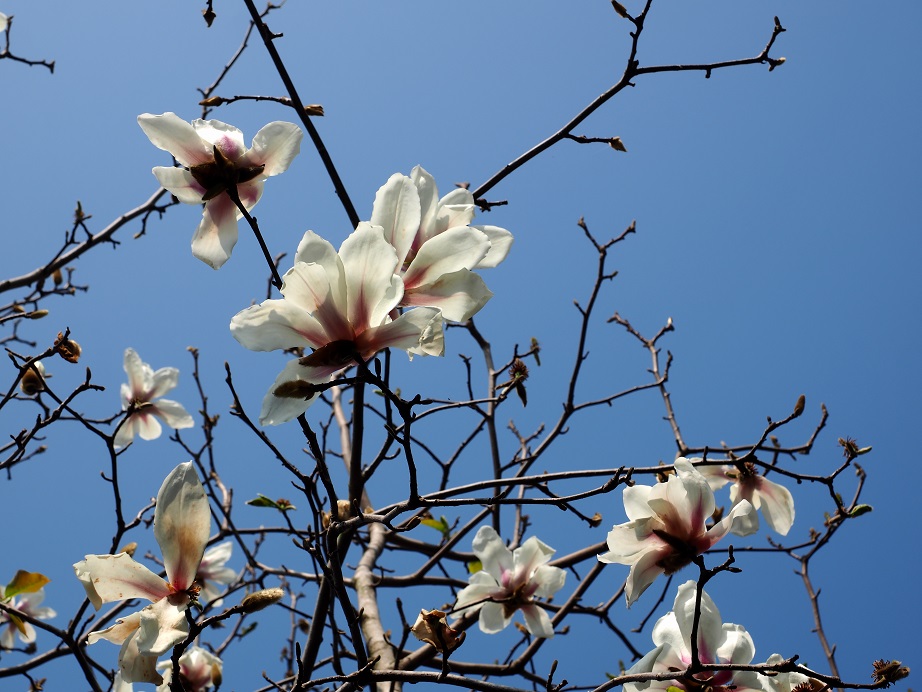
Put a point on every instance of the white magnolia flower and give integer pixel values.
(10, 625)
(143, 387)
(718, 642)
(182, 523)
(510, 581)
(667, 527)
(4, 21)
(340, 305)
(215, 160)
(436, 247)
(199, 669)
(775, 501)
(212, 574)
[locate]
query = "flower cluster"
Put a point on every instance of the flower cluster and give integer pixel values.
(217, 168)
(27, 604)
(775, 501)
(509, 581)
(717, 642)
(182, 522)
(667, 527)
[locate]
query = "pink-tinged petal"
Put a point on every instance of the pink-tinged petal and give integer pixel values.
(121, 631)
(317, 250)
(459, 295)
(133, 666)
(549, 580)
(182, 522)
(417, 331)
(529, 556)
(698, 494)
(140, 374)
(493, 618)
(163, 625)
(716, 475)
(626, 542)
(145, 424)
(108, 578)
(457, 248)
(173, 414)
(171, 133)
(276, 325)
(277, 410)
(537, 622)
(493, 554)
(500, 244)
(226, 137)
(216, 235)
(710, 626)
(162, 381)
(250, 193)
(179, 182)
(643, 573)
(428, 199)
(742, 520)
(312, 288)
(368, 262)
(126, 432)
(126, 395)
(397, 211)
(777, 505)
(274, 146)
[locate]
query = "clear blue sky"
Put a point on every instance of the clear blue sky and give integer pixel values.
(778, 225)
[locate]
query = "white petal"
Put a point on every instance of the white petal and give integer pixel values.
(428, 198)
(163, 625)
(493, 554)
(182, 522)
(777, 505)
(274, 146)
(107, 578)
(537, 621)
(145, 423)
(173, 414)
(277, 410)
(417, 331)
(226, 137)
(493, 618)
(216, 235)
(173, 134)
(369, 262)
(314, 290)
(500, 244)
(459, 295)
(549, 579)
(121, 631)
(276, 325)
(397, 211)
(163, 381)
(135, 666)
(179, 182)
(140, 374)
(457, 248)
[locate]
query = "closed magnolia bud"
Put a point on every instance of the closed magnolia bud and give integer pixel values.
(129, 548)
(33, 380)
(261, 599)
(37, 314)
(57, 277)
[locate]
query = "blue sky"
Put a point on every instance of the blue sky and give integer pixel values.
(777, 217)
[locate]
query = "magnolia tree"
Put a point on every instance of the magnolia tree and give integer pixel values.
(421, 539)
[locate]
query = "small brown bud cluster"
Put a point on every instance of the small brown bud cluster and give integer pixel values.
(67, 348)
(889, 671)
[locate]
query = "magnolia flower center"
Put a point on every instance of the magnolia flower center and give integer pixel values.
(518, 597)
(683, 552)
(222, 174)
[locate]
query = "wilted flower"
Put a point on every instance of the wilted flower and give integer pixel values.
(199, 669)
(182, 522)
(775, 501)
(432, 627)
(340, 305)
(215, 163)
(10, 625)
(667, 528)
(717, 643)
(144, 385)
(509, 581)
(436, 247)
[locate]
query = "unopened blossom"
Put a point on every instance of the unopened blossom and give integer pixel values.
(215, 165)
(338, 304)
(199, 669)
(10, 625)
(775, 501)
(510, 581)
(212, 574)
(436, 246)
(667, 527)
(718, 642)
(4, 21)
(182, 522)
(142, 395)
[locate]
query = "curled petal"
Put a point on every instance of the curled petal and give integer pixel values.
(180, 183)
(416, 331)
(274, 147)
(163, 624)
(276, 325)
(216, 235)
(182, 522)
(171, 133)
(397, 211)
(218, 134)
(107, 578)
(121, 631)
(459, 295)
(500, 244)
(134, 666)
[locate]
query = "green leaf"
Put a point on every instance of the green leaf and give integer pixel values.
(263, 501)
(440, 525)
(474, 566)
(859, 510)
(25, 582)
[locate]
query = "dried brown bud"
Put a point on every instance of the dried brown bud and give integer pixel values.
(432, 627)
(33, 379)
(209, 16)
(68, 349)
(261, 599)
(344, 510)
(129, 548)
(889, 671)
(217, 675)
(313, 109)
(595, 520)
(620, 9)
(616, 144)
(57, 277)
(799, 406)
(211, 101)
